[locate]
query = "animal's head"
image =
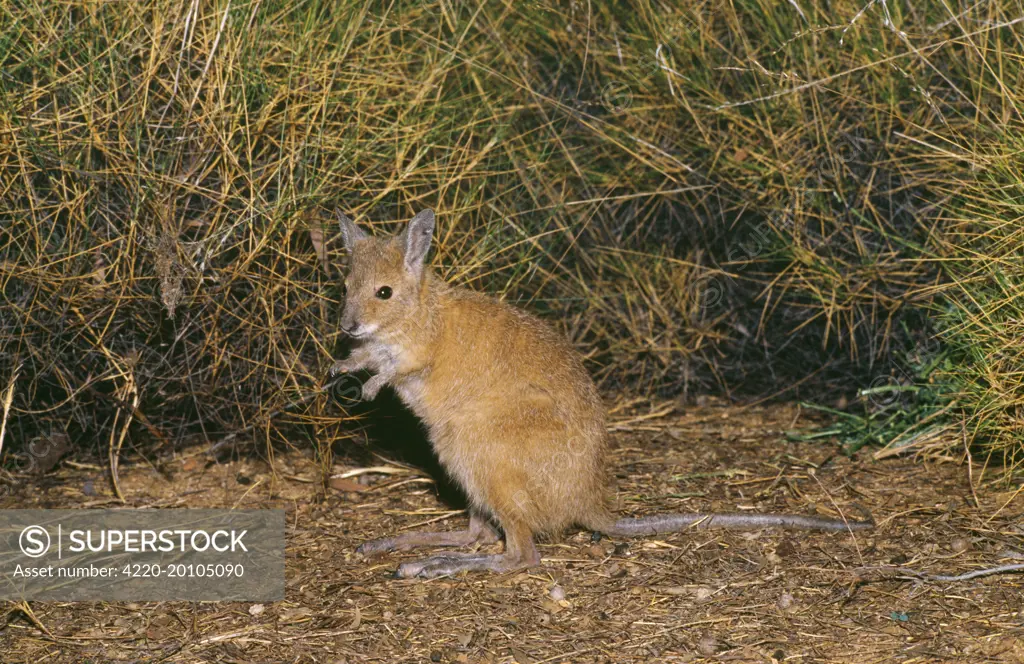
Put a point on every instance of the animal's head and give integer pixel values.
(385, 275)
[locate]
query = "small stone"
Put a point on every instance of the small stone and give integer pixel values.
(557, 593)
(596, 551)
(786, 602)
(708, 645)
(551, 606)
(435, 656)
(295, 614)
(703, 593)
(616, 571)
(521, 656)
(256, 609)
(960, 544)
(785, 548)
(357, 619)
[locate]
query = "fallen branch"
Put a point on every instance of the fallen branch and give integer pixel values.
(1001, 569)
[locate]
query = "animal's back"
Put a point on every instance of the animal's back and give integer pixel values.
(512, 413)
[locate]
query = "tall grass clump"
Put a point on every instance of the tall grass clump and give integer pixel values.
(743, 197)
(984, 317)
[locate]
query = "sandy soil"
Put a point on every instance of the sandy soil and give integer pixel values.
(698, 596)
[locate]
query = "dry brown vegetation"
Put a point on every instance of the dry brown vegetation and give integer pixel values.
(741, 198)
(692, 597)
(798, 200)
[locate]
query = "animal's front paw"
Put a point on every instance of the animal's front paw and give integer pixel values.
(342, 366)
(372, 388)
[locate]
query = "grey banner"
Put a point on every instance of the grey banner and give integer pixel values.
(142, 555)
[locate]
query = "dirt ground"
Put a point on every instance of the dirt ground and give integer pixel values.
(696, 596)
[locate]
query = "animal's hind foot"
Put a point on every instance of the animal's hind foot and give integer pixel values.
(479, 532)
(449, 564)
(382, 545)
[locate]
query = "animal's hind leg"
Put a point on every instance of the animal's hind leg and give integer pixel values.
(479, 531)
(520, 553)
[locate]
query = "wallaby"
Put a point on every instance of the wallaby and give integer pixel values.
(512, 414)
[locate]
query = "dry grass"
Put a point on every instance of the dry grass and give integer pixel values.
(747, 197)
(984, 321)
(690, 597)
(753, 198)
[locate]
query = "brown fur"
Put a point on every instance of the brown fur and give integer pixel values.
(509, 408)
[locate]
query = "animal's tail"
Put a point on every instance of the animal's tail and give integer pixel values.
(674, 523)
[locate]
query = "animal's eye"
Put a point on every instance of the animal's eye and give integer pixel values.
(384, 292)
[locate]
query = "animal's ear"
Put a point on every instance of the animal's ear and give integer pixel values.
(350, 233)
(415, 240)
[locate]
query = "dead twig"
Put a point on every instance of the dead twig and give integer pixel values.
(114, 451)
(8, 398)
(948, 578)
